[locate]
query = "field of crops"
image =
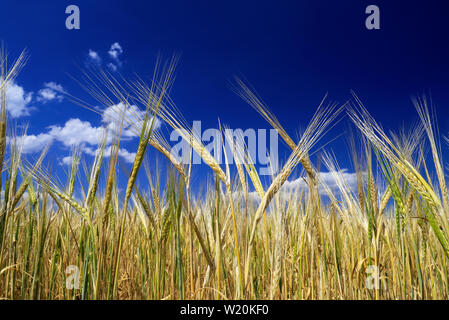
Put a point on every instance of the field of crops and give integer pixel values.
(243, 239)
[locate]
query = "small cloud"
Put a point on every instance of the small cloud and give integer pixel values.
(51, 91)
(94, 57)
(54, 86)
(115, 51)
(67, 160)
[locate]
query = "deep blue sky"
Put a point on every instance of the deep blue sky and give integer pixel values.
(292, 52)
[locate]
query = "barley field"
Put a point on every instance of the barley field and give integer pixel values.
(243, 239)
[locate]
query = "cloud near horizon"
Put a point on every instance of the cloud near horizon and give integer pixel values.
(327, 180)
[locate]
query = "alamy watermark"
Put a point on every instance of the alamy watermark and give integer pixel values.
(72, 281)
(255, 146)
(374, 281)
(372, 22)
(73, 21)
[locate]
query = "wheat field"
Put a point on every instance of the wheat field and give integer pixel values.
(243, 239)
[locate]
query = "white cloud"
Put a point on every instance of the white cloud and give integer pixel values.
(32, 143)
(292, 188)
(51, 91)
(113, 113)
(67, 160)
(126, 155)
(54, 86)
(94, 57)
(343, 177)
(81, 133)
(87, 136)
(329, 179)
(46, 95)
(122, 152)
(115, 51)
(133, 118)
(18, 101)
(77, 132)
(74, 132)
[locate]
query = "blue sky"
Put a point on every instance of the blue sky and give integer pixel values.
(292, 52)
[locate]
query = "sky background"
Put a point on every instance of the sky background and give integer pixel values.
(291, 52)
